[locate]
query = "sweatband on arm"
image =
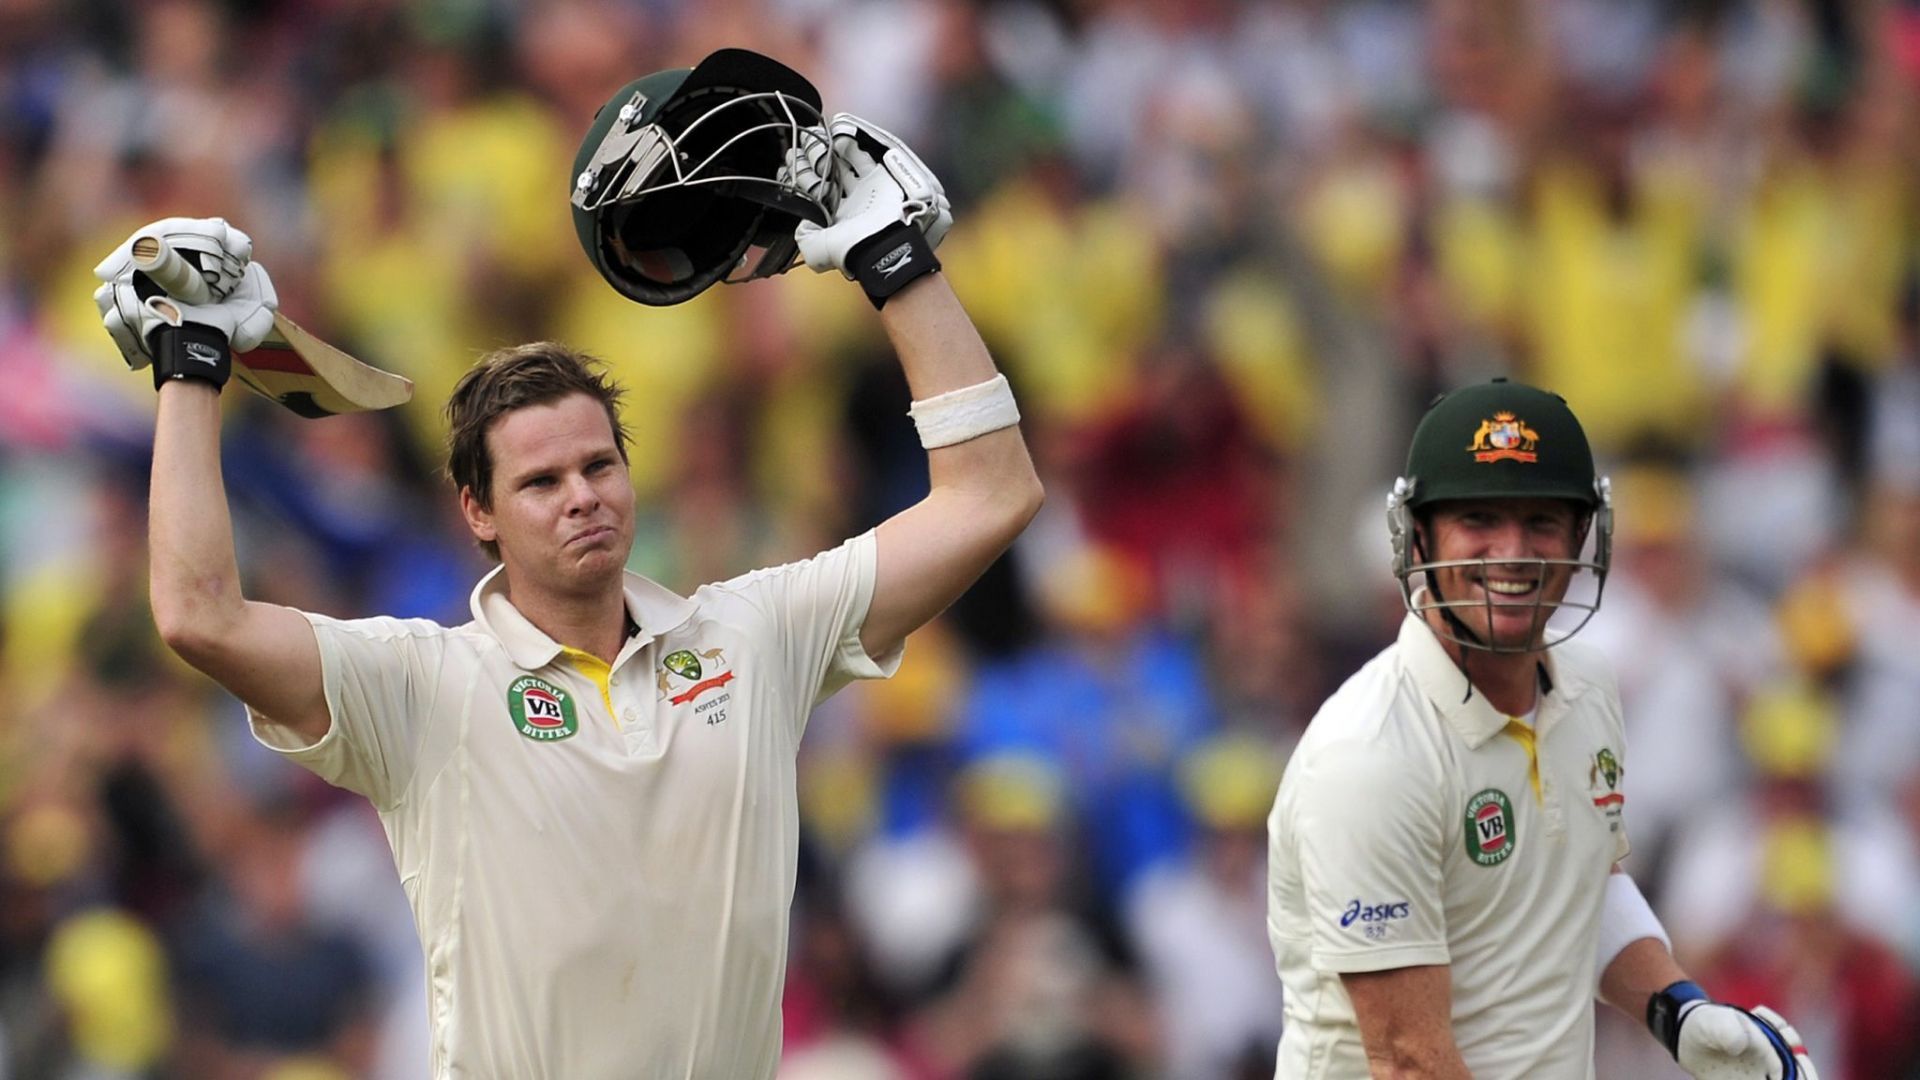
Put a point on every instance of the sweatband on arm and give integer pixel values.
(1625, 917)
(966, 413)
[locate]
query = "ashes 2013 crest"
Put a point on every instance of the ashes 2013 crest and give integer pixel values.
(684, 663)
(1603, 780)
(1490, 827)
(541, 711)
(1605, 767)
(683, 677)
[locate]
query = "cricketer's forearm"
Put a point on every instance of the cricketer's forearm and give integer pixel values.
(265, 654)
(1641, 970)
(940, 351)
(195, 586)
(982, 491)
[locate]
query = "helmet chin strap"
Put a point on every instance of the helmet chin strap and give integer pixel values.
(779, 255)
(1446, 612)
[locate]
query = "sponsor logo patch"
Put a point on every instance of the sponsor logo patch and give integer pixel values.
(1490, 831)
(1374, 913)
(541, 711)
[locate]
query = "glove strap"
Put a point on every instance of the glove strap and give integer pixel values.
(889, 260)
(1789, 1053)
(1664, 1010)
(190, 351)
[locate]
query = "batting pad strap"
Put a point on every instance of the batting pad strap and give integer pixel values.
(1625, 917)
(890, 260)
(966, 413)
(190, 351)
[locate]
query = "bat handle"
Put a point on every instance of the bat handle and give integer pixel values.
(170, 270)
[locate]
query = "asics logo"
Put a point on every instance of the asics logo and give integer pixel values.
(1357, 911)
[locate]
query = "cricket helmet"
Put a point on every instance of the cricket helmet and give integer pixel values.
(679, 177)
(1498, 440)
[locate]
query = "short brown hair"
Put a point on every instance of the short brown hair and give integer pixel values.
(537, 373)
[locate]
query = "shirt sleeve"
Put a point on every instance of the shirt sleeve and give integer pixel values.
(1371, 847)
(818, 607)
(378, 675)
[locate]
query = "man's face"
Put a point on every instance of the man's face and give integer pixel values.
(1506, 604)
(562, 508)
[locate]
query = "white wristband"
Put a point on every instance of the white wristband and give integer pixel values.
(966, 413)
(1625, 917)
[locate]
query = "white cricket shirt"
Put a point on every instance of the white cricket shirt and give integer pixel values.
(600, 872)
(1410, 830)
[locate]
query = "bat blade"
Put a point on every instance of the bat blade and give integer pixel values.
(291, 367)
(314, 379)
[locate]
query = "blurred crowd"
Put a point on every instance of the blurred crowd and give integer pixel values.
(1226, 250)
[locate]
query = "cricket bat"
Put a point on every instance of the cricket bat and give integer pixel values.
(292, 367)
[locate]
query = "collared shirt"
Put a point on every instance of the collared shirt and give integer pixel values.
(1419, 825)
(600, 858)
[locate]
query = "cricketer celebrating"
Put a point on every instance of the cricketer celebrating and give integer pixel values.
(1443, 895)
(590, 788)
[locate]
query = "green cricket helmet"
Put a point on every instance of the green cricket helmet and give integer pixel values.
(679, 178)
(1498, 440)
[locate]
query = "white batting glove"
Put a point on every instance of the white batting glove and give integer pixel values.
(218, 250)
(810, 167)
(131, 311)
(873, 182)
(1725, 1042)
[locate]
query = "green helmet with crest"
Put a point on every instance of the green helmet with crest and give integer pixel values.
(679, 179)
(1498, 440)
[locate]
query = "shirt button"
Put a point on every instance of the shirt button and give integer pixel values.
(632, 716)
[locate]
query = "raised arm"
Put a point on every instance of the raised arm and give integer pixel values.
(983, 490)
(890, 214)
(265, 654)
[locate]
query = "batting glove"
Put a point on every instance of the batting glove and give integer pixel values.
(889, 211)
(218, 250)
(1716, 1041)
(810, 167)
(186, 341)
